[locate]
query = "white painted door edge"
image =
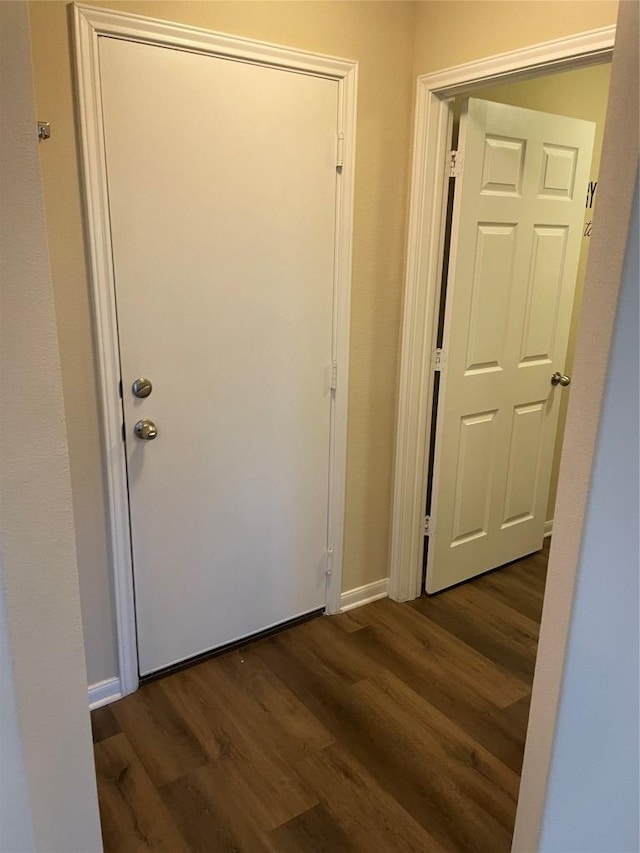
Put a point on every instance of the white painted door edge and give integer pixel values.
(89, 25)
(104, 692)
(548, 528)
(353, 598)
(424, 258)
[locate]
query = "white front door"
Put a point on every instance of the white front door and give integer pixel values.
(222, 196)
(515, 244)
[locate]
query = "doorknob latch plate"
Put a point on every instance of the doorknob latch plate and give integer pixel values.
(145, 430)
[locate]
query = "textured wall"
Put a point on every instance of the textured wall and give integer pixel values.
(582, 93)
(41, 628)
(380, 36)
(16, 816)
(593, 794)
(584, 543)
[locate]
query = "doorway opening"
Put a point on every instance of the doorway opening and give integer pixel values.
(429, 187)
(217, 367)
(509, 300)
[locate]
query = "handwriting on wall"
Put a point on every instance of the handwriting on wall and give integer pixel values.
(591, 194)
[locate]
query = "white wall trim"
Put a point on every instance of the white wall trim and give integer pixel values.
(353, 598)
(426, 221)
(104, 692)
(91, 24)
(548, 528)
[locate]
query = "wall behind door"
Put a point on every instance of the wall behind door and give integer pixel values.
(384, 37)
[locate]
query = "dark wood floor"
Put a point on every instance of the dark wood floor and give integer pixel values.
(394, 727)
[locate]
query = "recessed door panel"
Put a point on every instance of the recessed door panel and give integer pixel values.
(546, 281)
(527, 432)
(474, 477)
(494, 252)
(503, 166)
(557, 177)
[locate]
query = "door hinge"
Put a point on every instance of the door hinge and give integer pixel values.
(334, 375)
(427, 525)
(340, 151)
(454, 164)
(438, 359)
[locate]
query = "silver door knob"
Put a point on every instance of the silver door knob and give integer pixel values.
(146, 430)
(560, 379)
(142, 387)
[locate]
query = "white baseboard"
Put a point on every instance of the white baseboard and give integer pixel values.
(548, 528)
(363, 594)
(104, 692)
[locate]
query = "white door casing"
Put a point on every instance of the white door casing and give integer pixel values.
(515, 245)
(93, 29)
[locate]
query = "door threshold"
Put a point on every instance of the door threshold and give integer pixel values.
(229, 647)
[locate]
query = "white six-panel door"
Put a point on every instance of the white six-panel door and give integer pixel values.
(516, 237)
(222, 194)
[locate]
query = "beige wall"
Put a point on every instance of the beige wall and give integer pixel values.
(48, 797)
(579, 94)
(382, 36)
(450, 32)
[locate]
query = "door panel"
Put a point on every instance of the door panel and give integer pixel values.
(527, 429)
(473, 486)
(515, 243)
(222, 192)
(489, 314)
(544, 295)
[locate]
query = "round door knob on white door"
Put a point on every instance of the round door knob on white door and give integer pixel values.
(146, 430)
(560, 379)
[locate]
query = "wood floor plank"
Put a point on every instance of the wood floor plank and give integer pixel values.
(478, 717)
(390, 760)
(440, 648)
(372, 819)
(316, 829)
(259, 702)
(244, 758)
(516, 591)
(347, 622)
(485, 607)
(132, 813)
(211, 817)
(455, 615)
(483, 785)
(160, 735)
(104, 724)
(517, 715)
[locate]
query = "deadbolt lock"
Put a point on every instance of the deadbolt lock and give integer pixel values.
(142, 387)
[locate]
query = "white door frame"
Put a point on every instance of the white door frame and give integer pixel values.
(89, 25)
(424, 260)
